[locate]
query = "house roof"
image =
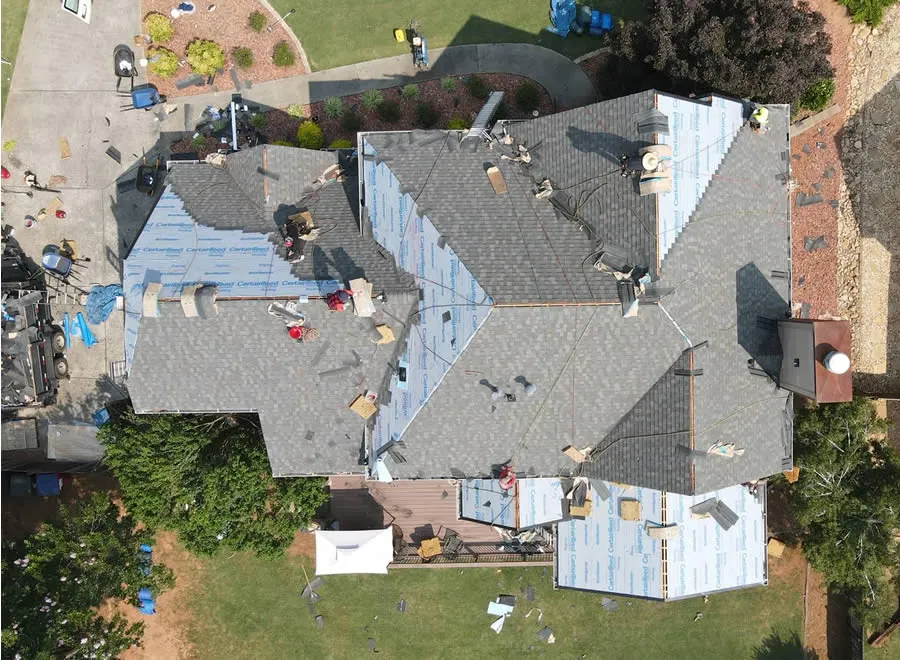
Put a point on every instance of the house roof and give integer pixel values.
(241, 359)
(488, 292)
(632, 389)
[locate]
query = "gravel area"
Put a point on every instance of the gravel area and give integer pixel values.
(816, 168)
(458, 103)
(870, 266)
(227, 26)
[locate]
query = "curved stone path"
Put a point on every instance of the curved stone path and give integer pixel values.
(567, 84)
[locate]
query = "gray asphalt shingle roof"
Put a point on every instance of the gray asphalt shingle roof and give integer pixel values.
(620, 393)
(243, 360)
(516, 246)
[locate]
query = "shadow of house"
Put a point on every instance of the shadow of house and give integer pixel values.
(354, 509)
(759, 307)
(871, 176)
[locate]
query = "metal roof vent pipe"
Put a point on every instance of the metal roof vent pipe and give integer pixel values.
(836, 362)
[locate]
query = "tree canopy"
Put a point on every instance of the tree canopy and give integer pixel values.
(208, 478)
(847, 500)
(54, 580)
(768, 51)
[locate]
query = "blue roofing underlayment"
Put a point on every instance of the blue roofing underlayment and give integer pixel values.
(700, 136)
(529, 503)
(452, 305)
(608, 554)
(177, 251)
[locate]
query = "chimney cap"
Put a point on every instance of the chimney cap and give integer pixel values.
(837, 362)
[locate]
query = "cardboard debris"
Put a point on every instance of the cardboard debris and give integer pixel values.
(629, 509)
(362, 407)
(775, 548)
(575, 454)
(387, 335)
(792, 475)
(64, 150)
(584, 510)
(54, 206)
(56, 180)
(495, 176)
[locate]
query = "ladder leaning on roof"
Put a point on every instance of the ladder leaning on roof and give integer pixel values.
(480, 125)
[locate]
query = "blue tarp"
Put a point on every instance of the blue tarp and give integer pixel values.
(82, 330)
(101, 300)
(46, 484)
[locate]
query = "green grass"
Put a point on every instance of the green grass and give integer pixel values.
(13, 18)
(252, 608)
(347, 31)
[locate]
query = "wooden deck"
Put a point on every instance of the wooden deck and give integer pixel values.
(420, 508)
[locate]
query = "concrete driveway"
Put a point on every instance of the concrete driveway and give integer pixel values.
(64, 87)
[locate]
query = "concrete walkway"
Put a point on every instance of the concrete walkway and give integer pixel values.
(567, 84)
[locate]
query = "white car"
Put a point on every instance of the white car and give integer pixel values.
(81, 8)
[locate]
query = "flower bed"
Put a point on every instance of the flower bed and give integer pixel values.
(458, 103)
(227, 26)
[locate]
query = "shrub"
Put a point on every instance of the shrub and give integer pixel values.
(333, 106)
(457, 124)
(295, 110)
(198, 141)
(283, 55)
(426, 115)
(817, 95)
(769, 52)
(282, 143)
(389, 111)
(478, 88)
(163, 62)
(371, 99)
(205, 57)
(351, 122)
(341, 144)
(159, 27)
(528, 97)
(448, 84)
(258, 121)
(409, 92)
(867, 11)
(243, 57)
(309, 135)
(502, 111)
(257, 21)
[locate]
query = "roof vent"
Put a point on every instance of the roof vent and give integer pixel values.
(199, 301)
(652, 121)
(150, 304)
(656, 177)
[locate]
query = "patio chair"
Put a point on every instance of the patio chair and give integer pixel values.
(451, 545)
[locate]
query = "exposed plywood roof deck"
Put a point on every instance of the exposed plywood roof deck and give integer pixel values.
(411, 505)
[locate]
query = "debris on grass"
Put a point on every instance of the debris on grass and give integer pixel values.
(546, 635)
(538, 610)
(529, 593)
(401, 606)
(320, 621)
(609, 604)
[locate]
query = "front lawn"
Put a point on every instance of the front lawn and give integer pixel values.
(347, 31)
(13, 18)
(252, 608)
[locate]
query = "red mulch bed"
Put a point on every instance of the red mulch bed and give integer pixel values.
(459, 103)
(227, 26)
(813, 154)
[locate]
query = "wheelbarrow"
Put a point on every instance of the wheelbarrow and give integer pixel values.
(144, 97)
(123, 65)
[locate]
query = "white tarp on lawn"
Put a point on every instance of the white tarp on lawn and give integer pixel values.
(343, 553)
(608, 554)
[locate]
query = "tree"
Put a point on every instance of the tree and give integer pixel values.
(54, 580)
(847, 500)
(764, 50)
(208, 478)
